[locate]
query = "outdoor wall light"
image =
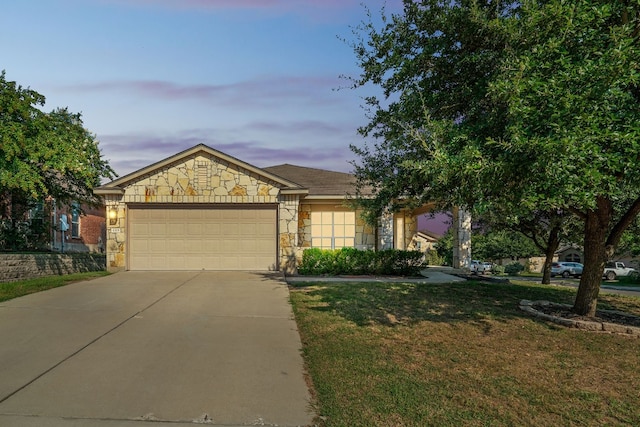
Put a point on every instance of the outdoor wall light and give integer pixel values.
(113, 216)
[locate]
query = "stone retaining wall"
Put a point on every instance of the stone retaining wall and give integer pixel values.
(27, 266)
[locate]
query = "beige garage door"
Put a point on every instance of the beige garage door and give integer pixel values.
(197, 238)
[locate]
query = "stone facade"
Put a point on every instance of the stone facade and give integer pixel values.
(365, 234)
(27, 266)
(288, 230)
(410, 228)
(202, 179)
(462, 239)
(204, 176)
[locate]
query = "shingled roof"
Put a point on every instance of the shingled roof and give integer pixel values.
(319, 182)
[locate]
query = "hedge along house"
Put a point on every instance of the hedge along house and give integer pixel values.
(204, 210)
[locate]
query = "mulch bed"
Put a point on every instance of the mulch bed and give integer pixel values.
(608, 316)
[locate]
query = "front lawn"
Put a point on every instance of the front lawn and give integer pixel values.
(10, 290)
(461, 354)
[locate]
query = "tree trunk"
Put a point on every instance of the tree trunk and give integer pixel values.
(595, 237)
(553, 242)
(552, 246)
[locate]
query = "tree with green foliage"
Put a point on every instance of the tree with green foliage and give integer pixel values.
(528, 105)
(545, 230)
(44, 155)
(502, 244)
(444, 247)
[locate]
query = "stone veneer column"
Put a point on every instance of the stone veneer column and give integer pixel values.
(461, 239)
(304, 227)
(410, 229)
(116, 234)
(288, 229)
(385, 231)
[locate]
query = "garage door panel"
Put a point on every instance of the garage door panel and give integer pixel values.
(158, 246)
(211, 229)
(247, 229)
(264, 231)
(194, 229)
(157, 229)
(175, 229)
(209, 238)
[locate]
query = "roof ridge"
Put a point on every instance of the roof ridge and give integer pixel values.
(307, 167)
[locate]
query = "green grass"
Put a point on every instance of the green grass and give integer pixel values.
(10, 290)
(461, 354)
(624, 281)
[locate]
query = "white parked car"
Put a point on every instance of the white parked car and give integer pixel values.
(617, 269)
(477, 267)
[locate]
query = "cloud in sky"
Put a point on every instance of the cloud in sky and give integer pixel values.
(130, 152)
(258, 91)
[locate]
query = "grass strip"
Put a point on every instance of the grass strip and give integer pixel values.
(406, 354)
(10, 290)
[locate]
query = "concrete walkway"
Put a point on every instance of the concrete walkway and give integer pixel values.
(146, 348)
(430, 275)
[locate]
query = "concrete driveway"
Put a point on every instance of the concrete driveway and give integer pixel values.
(219, 348)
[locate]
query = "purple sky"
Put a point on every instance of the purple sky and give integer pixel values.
(256, 79)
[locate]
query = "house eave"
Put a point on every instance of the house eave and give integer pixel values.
(294, 191)
(108, 191)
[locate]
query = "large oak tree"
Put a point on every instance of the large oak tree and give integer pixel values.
(529, 105)
(44, 154)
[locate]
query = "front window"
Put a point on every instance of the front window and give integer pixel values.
(572, 257)
(75, 220)
(333, 230)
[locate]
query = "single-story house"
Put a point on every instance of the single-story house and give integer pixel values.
(424, 240)
(202, 209)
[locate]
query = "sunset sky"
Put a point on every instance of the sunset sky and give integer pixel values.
(256, 79)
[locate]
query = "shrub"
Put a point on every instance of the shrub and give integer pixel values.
(315, 261)
(498, 269)
(353, 261)
(432, 257)
(513, 269)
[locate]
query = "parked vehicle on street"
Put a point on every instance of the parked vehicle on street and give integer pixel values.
(488, 267)
(566, 269)
(477, 267)
(617, 269)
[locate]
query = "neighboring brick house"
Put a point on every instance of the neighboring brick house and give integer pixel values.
(86, 230)
(85, 225)
(203, 209)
